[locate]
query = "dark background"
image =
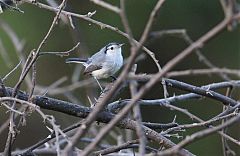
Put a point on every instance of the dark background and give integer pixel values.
(196, 16)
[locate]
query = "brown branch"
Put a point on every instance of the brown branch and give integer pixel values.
(199, 135)
(122, 76)
(116, 85)
(165, 69)
(11, 133)
(98, 23)
(205, 123)
(63, 53)
(83, 112)
(106, 6)
(190, 72)
(225, 147)
(137, 115)
(183, 34)
(115, 148)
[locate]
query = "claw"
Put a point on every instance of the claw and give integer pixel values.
(113, 78)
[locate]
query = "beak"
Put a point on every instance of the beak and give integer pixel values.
(121, 44)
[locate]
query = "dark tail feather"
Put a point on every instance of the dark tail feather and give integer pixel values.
(75, 60)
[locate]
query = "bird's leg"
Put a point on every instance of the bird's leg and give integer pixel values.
(98, 84)
(113, 78)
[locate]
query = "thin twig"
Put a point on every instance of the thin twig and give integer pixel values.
(122, 76)
(137, 115)
(107, 6)
(225, 147)
(8, 74)
(199, 135)
(98, 23)
(10, 139)
(205, 123)
(63, 53)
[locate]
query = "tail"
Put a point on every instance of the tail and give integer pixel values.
(75, 60)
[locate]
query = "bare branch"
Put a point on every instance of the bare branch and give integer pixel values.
(198, 135)
(106, 6)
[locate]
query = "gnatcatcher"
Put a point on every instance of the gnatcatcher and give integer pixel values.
(103, 64)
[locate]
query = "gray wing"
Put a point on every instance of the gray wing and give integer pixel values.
(96, 61)
(89, 69)
(98, 58)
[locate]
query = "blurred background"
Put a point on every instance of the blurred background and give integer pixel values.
(195, 16)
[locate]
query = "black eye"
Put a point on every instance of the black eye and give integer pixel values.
(111, 48)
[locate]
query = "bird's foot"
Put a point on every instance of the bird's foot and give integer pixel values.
(113, 78)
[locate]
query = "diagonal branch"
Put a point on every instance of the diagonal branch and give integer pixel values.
(83, 112)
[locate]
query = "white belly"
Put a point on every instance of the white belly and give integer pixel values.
(109, 67)
(101, 73)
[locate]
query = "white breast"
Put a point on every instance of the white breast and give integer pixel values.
(115, 60)
(112, 64)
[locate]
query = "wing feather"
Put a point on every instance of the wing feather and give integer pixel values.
(89, 69)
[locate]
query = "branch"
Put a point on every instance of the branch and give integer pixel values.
(83, 112)
(198, 135)
(114, 106)
(204, 92)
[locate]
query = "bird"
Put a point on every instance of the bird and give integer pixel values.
(103, 64)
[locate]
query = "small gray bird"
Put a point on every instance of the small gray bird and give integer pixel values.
(103, 64)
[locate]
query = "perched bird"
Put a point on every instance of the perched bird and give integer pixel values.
(104, 64)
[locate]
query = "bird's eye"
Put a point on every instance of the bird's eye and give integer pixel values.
(111, 48)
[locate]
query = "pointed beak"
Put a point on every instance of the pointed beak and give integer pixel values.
(120, 45)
